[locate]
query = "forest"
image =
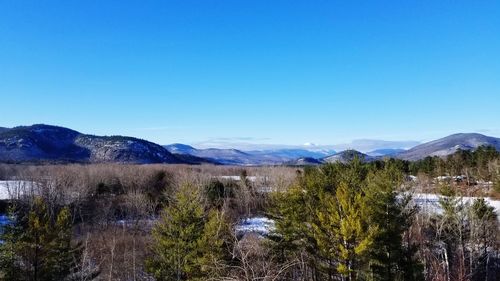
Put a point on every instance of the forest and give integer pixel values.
(341, 221)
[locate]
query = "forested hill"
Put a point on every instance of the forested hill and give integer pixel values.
(44, 143)
(449, 145)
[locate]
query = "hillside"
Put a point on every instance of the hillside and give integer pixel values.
(449, 145)
(253, 157)
(44, 143)
(386, 152)
(346, 156)
(222, 156)
(306, 161)
(52, 144)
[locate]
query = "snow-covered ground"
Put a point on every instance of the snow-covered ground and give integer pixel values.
(430, 202)
(4, 191)
(237, 178)
(12, 189)
(259, 225)
(3, 220)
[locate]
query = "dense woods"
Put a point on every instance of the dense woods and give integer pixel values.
(349, 223)
(481, 164)
(341, 221)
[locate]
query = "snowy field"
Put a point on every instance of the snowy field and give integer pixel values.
(430, 202)
(4, 191)
(12, 189)
(259, 225)
(238, 178)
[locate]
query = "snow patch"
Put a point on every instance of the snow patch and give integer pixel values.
(237, 178)
(13, 189)
(259, 225)
(4, 220)
(430, 202)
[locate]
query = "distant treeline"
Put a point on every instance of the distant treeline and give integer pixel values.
(482, 164)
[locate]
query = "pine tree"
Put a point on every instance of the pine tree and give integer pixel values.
(39, 248)
(63, 256)
(356, 235)
(291, 212)
(188, 244)
(391, 258)
(214, 245)
(349, 220)
(324, 215)
(9, 262)
(484, 229)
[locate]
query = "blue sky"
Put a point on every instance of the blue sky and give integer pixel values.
(270, 71)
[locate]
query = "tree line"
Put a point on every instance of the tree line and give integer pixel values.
(341, 221)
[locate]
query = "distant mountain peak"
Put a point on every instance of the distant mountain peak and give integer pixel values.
(449, 145)
(386, 152)
(253, 157)
(47, 143)
(306, 161)
(346, 156)
(180, 148)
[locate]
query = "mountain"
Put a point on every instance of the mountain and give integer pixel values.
(294, 153)
(218, 155)
(307, 161)
(254, 157)
(346, 156)
(194, 160)
(449, 145)
(52, 144)
(45, 143)
(180, 148)
(188, 154)
(226, 156)
(374, 144)
(387, 152)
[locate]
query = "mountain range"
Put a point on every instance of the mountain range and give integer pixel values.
(253, 157)
(44, 143)
(449, 145)
(52, 144)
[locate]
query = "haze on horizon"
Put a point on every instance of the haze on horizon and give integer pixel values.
(253, 72)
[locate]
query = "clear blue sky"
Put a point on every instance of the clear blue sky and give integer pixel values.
(265, 71)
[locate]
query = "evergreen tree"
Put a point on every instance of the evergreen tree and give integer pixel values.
(214, 245)
(61, 256)
(308, 219)
(351, 222)
(391, 258)
(484, 231)
(292, 214)
(188, 244)
(38, 247)
(342, 232)
(9, 247)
